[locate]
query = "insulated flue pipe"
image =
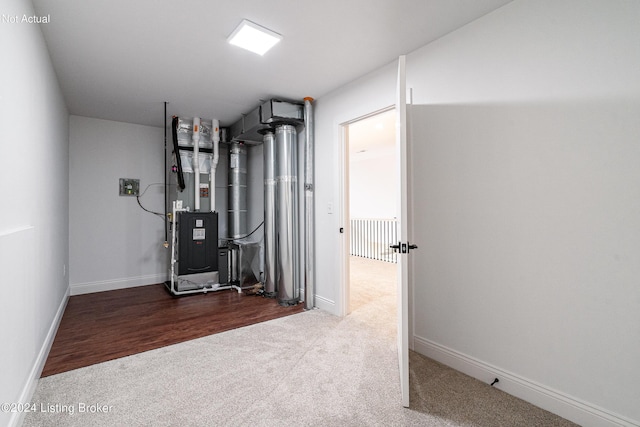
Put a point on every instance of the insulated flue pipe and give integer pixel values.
(237, 195)
(270, 266)
(196, 161)
(215, 140)
(309, 216)
(287, 219)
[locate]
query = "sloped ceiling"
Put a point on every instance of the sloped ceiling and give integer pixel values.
(121, 59)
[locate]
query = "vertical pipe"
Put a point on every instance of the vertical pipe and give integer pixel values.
(287, 215)
(215, 139)
(270, 276)
(166, 193)
(237, 195)
(309, 220)
(196, 161)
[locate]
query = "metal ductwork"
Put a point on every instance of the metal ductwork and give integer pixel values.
(274, 123)
(198, 262)
(251, 126)
(288, 243)
(270, 255)
(287, 264)
(237, 194)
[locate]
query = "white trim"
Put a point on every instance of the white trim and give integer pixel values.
(36, 370)
(326, 304)
(554, 401)
(403, 226)
(110, 285)
(343, 211)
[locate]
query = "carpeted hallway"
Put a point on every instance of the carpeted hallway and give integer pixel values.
(310, 369)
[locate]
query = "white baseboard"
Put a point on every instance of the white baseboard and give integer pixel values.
(559, 403)
(32, 382)
(110, 285)
(326, 305)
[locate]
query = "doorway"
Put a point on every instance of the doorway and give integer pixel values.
(371, 185)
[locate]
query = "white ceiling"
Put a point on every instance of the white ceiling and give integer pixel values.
(121, 59)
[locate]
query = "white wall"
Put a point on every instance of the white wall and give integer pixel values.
(34, 214)
(373, 183)
(525, 142)
(526, 209)
(113, 242)
(371, 93)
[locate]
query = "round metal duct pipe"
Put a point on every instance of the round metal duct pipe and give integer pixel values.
(237, 194)
(270, 266)
(288, 243)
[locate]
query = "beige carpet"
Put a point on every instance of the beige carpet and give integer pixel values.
(373, 282)
(309, 369)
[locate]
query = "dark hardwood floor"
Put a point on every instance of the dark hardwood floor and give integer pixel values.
(108, 325)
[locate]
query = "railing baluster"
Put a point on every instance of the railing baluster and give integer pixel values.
(370, 238)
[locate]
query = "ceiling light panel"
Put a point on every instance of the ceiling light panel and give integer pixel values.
(256, 38)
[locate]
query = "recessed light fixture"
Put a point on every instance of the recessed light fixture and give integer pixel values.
(251, 36)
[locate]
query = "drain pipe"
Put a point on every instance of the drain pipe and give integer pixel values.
(309, 220)
(215, 139)
(196, 161)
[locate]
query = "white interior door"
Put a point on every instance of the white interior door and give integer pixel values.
(403, 264)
